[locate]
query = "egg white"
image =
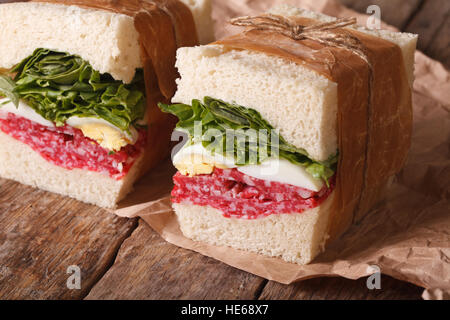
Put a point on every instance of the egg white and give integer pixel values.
(195, 159)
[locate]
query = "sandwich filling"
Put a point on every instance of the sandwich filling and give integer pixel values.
(235, 161)
(72, 115)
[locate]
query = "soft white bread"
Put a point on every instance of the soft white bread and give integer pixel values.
(21, 163)
(296, 238)
(109, 41)
(301, 103)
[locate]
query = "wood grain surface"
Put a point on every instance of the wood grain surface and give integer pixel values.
(341, 289)
(432, 23)
(147, 267)
(394, 12)
(428, 18)
(42, 234)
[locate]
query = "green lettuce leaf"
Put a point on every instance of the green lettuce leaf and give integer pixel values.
(251, 138)
(7, 89)
(60, 85)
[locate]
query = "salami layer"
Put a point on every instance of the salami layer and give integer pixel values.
(241, 196)
(67, 147)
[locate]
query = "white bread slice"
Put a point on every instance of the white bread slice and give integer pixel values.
(296, 237)
(109, 41)
(301, 103)
(21, 163)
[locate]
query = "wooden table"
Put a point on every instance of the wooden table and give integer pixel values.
(43, 234)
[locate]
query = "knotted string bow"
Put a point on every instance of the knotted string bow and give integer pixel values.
(323, 33)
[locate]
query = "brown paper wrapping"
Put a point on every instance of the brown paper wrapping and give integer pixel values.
(163, 27)
(369, 132)
(407, 236)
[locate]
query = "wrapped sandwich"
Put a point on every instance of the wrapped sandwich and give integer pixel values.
(295, 128)
(79, 87)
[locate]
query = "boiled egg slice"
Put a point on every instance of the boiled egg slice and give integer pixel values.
(107, 135)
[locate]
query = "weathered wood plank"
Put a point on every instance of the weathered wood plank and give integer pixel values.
(42, 234)
(440, 47)
(432, 23)
(395, 12)
(428, 21)
(341, 289)
(147, 267)
(7, 1)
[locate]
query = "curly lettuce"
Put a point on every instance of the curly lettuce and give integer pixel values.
(60, 85)
(218, 116)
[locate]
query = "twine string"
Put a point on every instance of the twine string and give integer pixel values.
(326, 34)
(323, 33)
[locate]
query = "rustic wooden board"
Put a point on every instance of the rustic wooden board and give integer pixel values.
(42, 234)
(341, 289)
(432, 23)
(147, 267)
(428, 21)
(395, 12)
(428, 18)
(440, 47)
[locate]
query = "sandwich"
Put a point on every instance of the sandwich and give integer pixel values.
(79, 86)
(293, 130)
